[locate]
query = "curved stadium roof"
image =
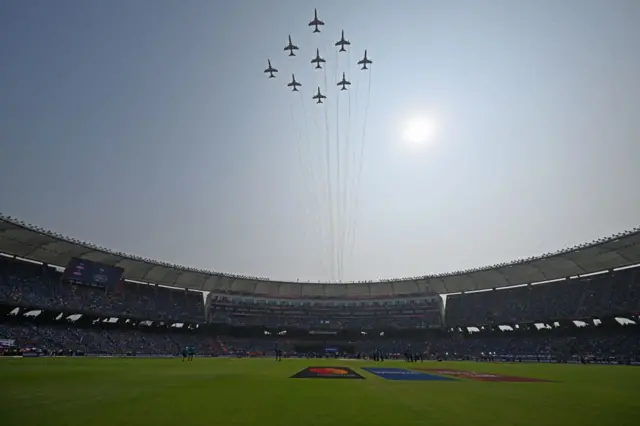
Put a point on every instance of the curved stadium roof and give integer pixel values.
(31, 242)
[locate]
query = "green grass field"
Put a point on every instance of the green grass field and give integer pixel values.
(108, 391)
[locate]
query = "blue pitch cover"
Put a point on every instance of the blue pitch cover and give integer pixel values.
(405, 375)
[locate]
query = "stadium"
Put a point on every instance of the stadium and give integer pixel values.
(319, 202)
(510, 322)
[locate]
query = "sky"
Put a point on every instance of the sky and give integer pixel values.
(149, 127)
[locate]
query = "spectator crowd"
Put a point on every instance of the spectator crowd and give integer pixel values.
(393, 313)
(57, 339)
(37, 286)
(614, 293)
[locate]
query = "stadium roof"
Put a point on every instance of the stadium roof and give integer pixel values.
(31, 242)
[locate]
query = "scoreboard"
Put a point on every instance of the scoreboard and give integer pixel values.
(94, 274)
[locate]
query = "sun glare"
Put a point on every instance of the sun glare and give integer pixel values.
(419, 131)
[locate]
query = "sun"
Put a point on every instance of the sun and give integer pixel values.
(419, 131)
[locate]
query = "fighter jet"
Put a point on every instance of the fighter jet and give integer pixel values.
(271, 70)
(342, 43)
(319, 97)
(344, 83)
(364, 62)
(291, 47)
(315, 21)
(318, 60)
(294, 83)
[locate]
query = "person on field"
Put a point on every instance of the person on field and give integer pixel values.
(185, 353)
(277, 352)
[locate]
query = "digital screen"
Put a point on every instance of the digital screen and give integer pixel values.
(94, 274)
(7, 343)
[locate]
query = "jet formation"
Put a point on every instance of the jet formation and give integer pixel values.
(318, 61)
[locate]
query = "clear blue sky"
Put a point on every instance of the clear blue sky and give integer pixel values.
(149, 127)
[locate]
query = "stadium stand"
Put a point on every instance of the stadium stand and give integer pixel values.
(600, 295)
(33, 285)
(101, 342)
(64, 340)
(245, 316)
(418, 312)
